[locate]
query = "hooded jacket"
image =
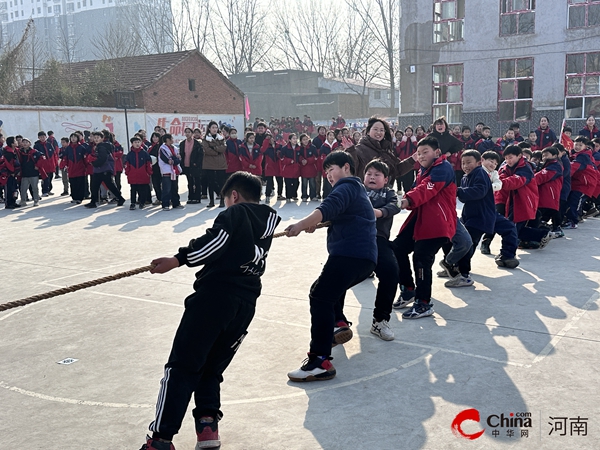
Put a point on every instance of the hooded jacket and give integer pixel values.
(584, 174)
(138, 166)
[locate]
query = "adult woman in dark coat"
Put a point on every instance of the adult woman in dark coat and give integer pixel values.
(449, 145)
(377, 143)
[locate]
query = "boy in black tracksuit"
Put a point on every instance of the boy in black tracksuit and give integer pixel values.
(385, 206)
(352, 248)
(217, 315)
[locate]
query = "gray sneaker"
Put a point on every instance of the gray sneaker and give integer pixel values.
(459, 281)
(383, 330)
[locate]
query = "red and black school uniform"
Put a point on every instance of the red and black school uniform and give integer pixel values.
(545, 138)
(584, 176)
(520, 194)
(251, 159)
(405, 149)
(31, 163)
(319, 140)
(118, 157)
(138, 169)
(590, 134)
(76, 163)
(550, 181)
(49, 164)
(271, 157)
(9, 167)
(430, 225)
(308, 171)
(232, 155)
(485, 144)
(325, 150)
(290, 170)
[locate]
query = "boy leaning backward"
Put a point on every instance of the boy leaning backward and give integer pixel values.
(218, 313)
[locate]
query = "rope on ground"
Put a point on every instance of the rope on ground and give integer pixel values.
(91, 283)
(75, 287)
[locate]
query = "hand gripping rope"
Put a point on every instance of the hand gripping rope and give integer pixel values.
(96, 282)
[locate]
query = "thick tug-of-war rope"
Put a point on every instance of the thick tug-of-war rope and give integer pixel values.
(91, 283)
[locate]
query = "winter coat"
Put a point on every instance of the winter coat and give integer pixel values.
(550, 181)
(251, 157)
(367, 150)
(584, 174)
(232, 155)
(138, 166)
(196, 158)
(289, 167)
(310, 155)
(214, 152)
(545, 138)
(476, 193)
(271, 157)
(520, 189)
(433, 201)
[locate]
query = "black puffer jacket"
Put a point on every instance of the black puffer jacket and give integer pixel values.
(447, 142)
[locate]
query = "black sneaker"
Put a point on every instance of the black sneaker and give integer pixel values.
(509, 263)
(121, 202)
(342, 332)
(419, 309)
(485, 247)
(132, 207)
(314, 368)
(451, 270)
(406, 297)
(91, 205)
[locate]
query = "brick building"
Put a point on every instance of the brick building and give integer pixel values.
(500, 61)
(179, 82)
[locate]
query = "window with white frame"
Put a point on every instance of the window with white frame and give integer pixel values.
(584, 13)
(448, 20)
(582, 97)
(517, 17)
(515, 89)
(448, 92)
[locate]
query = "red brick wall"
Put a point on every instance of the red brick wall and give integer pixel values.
(213, 94)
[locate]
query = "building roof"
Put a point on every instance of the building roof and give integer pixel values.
(359, 83)
(132, 72)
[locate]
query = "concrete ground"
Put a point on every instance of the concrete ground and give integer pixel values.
(522, 341)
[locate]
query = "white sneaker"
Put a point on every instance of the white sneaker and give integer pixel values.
(23, 204)
(459, 281)
(383, 330)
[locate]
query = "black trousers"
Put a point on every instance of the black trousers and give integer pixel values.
(291, 188)
(424, 252)
(77, 187)
(211, 330)
(327, 295)
(387, 274)
(118, 180)
(464, 265)
(548, 214)
(194, 182)
(214, 181)
(157, 184)
(139, 193)
(270, 189)
(326, 187)
(47, 183)
(107, 179)
(407, 181)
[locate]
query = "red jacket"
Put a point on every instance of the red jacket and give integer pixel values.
(118, 157)
(325, 150)
(550, 181)
(310, 155)
(520, 190)
(584, 174)
(433, 201)
(138, 166)
(272, 157)
(232, 155)
(75, 159)
(251, 157)
(289, 167)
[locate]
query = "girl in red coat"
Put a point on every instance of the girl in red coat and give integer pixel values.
(308, 168)
(328, 146)
(250, 155)
(405, 148)
(272, 155)
(289, 167)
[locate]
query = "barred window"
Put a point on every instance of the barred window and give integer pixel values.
(517, 17)
(448, 20)
(448, 92)
(582, 89)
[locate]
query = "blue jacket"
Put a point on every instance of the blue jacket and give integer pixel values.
(566, 187)
(483, 145)
(476, 193)
(352, 232)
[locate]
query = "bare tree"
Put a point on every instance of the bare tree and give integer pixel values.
(10, 62)
(304, 36)
(382, 18)
(238, 35)
(153, 25)
(191, 19)
(117, 41)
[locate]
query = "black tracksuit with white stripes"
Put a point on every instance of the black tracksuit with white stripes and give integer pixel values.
(217, 314)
